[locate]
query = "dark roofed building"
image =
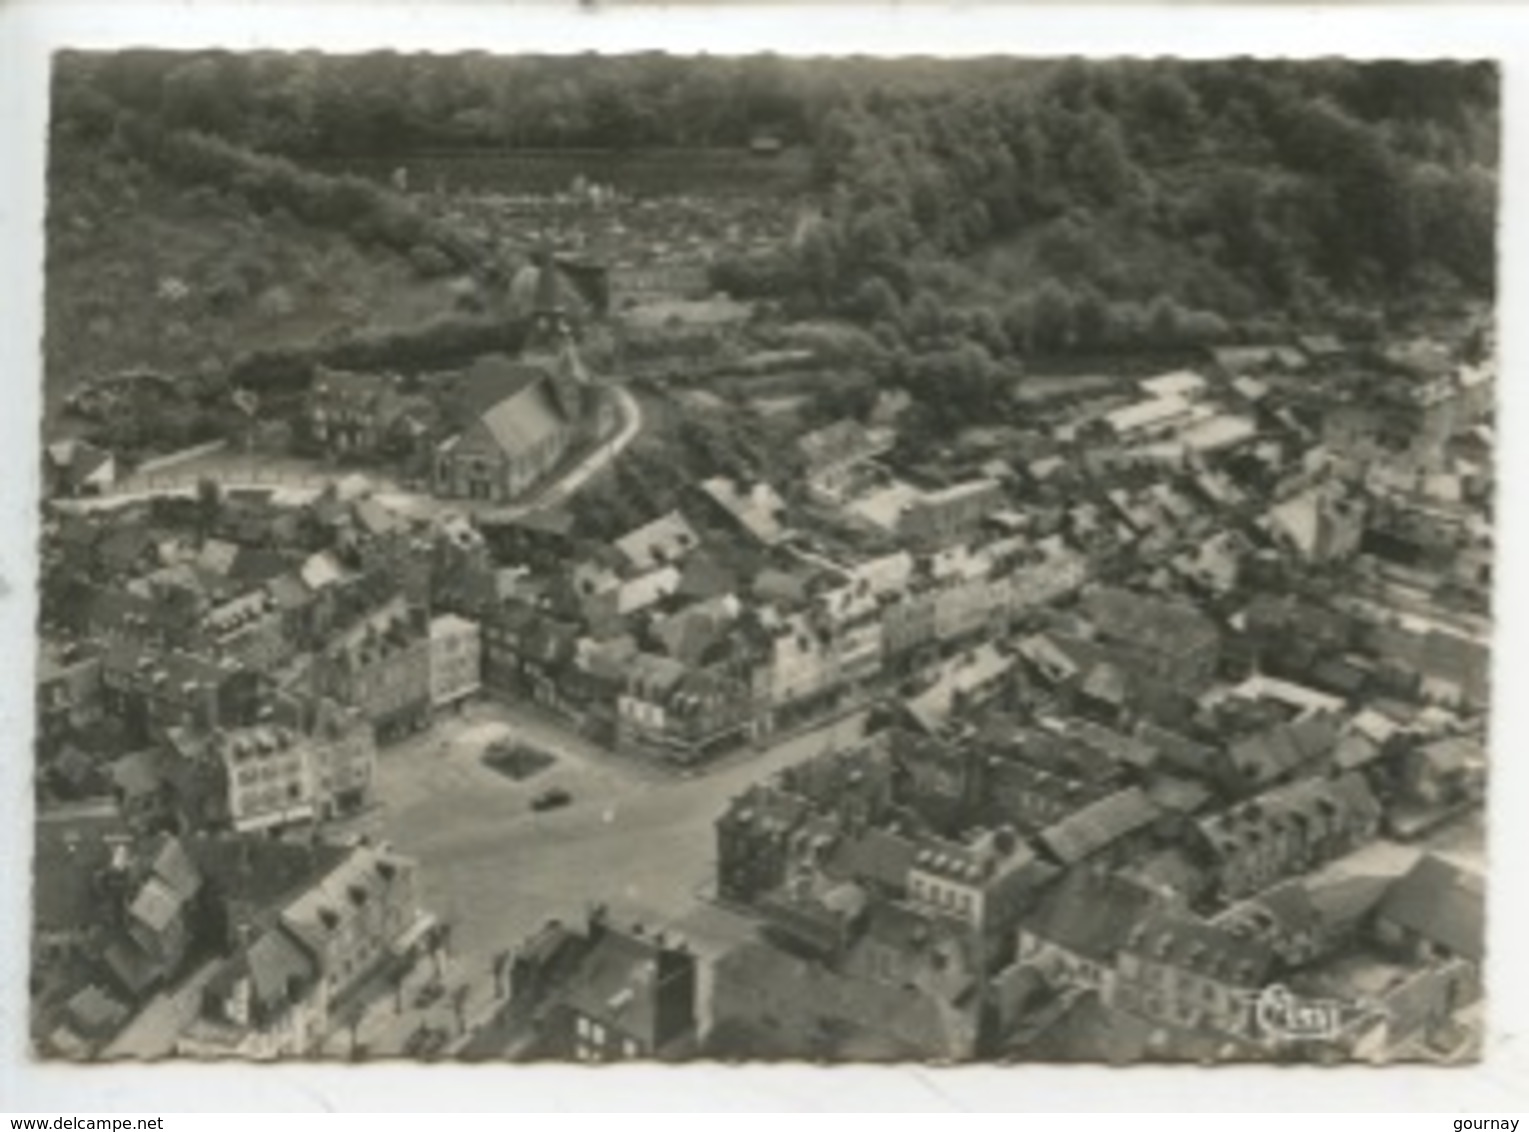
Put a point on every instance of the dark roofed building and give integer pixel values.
(1170, 640)
(606, 993)
(1103, 825)
(1079, 925)
(518, 434)
(1179, 969)
(1286, 830)
(1436, 910)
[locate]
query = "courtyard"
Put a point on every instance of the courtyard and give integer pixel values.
(635, 837)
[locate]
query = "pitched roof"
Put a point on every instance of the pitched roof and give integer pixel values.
(157, 904)
(877, 856)
(1348, 795)
(1090, 913)
(173, 865)
(1266, 755)
(666, 539)
(72, 844)
(321, 570)
(276, 962)
(758, 510)
(522, 421)
(138, 773)
(1159, 624)
(1100, 824)
(511, 401)
(838, 443)
(1179, 940)
(616, 983)
(289, 592)
(1441, 902)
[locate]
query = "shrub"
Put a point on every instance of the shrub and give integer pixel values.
(429, 261)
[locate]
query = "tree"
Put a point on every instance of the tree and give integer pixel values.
(1052, 324)
(1093, 320)
(209, 504)
(1099, 164)
(926, 318)
(987, 329)
(875, 302)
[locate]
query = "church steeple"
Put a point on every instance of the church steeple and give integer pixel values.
(549, 312)
(550, 342)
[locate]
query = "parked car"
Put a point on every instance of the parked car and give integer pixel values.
(552, 799)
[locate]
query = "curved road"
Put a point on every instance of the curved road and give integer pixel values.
(408, 502)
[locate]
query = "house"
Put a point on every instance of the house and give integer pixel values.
(267, 1001)
(365, 416)
(78, 468)
(1107, 825)
(1291, 829)
(1435, 911)
(605, 993)
(360, 915)
(343, 749)
(1276, 754)
(1321, 525)
(754, 842)
(152, 930)
(1149, 419)
(91, 1018)
(530, 654)
(770, 1003)
(758, 509)
(1217, 434)
(1075, 931)
(681, 713)
(833, 456)
(381, 665)
(74, 845)
(1444, 773)
(1183, 383)
(1168, 640)
(665, 541)
(814, 917)
(1178, 969)
(983, 881)
(69, 690)
(141, 784)
(948, 515)
(456, 667)
(271, 776)
(307, 925)
(1307, 918)
(150, 690)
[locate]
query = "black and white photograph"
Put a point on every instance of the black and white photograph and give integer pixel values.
(660, 557)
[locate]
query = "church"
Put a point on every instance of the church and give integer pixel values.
(526, 412)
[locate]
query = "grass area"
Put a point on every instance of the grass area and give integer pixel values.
(142, 273)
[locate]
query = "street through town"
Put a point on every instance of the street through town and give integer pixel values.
(635, 838)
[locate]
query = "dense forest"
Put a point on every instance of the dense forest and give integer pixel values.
(969, 214)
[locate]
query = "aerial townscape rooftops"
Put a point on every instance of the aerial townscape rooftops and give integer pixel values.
(646, 558)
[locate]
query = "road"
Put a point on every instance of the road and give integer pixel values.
(296, 482)
(636, 839)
